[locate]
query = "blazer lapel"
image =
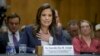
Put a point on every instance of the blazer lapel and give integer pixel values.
(38, 41)
(5, 35)
(20, 34)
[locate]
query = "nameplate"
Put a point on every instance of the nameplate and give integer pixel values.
(58, 50)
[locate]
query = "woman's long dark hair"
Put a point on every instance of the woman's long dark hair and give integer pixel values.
(37, 26)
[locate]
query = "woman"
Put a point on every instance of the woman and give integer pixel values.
(44, 31)
(85, 43)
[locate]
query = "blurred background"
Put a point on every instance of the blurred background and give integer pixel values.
(67, 9)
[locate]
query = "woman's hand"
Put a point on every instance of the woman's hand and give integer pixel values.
(44, 37)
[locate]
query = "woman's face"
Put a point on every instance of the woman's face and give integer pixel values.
(85, 28)
(46, 17)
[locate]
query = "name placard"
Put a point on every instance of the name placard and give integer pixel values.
(58, 50)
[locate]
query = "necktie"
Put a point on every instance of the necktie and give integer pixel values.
(15, 40)
(15, 43)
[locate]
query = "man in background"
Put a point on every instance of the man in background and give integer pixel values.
(97, 31)
(12, 35)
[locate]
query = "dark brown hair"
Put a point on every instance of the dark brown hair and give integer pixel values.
(11, 16)
(38, 23)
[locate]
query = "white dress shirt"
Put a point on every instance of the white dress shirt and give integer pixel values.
(10, 36)
(47, 43)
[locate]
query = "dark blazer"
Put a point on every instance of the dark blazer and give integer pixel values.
(32, 41)
(67, 36)
(4, 40)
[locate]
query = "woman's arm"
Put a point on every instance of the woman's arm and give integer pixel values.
(76, 44)
(25, 39)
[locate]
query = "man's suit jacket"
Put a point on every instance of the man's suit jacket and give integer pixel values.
(4, 41)
(32, 41)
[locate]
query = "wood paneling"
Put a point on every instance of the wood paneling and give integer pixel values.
(68, 9)
(26, 9)
(79, 9)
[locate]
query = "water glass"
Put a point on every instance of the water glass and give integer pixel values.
(22, 48)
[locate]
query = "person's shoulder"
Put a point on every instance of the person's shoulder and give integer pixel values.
(3, 33)
(65, 31)
(95, 39)
(76, 38)
(28, 27)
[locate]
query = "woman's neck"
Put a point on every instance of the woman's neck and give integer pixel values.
(86, 37)
(44, 30)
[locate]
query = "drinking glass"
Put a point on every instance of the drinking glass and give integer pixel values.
(22, 48)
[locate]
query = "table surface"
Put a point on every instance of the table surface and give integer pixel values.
(27, 54)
